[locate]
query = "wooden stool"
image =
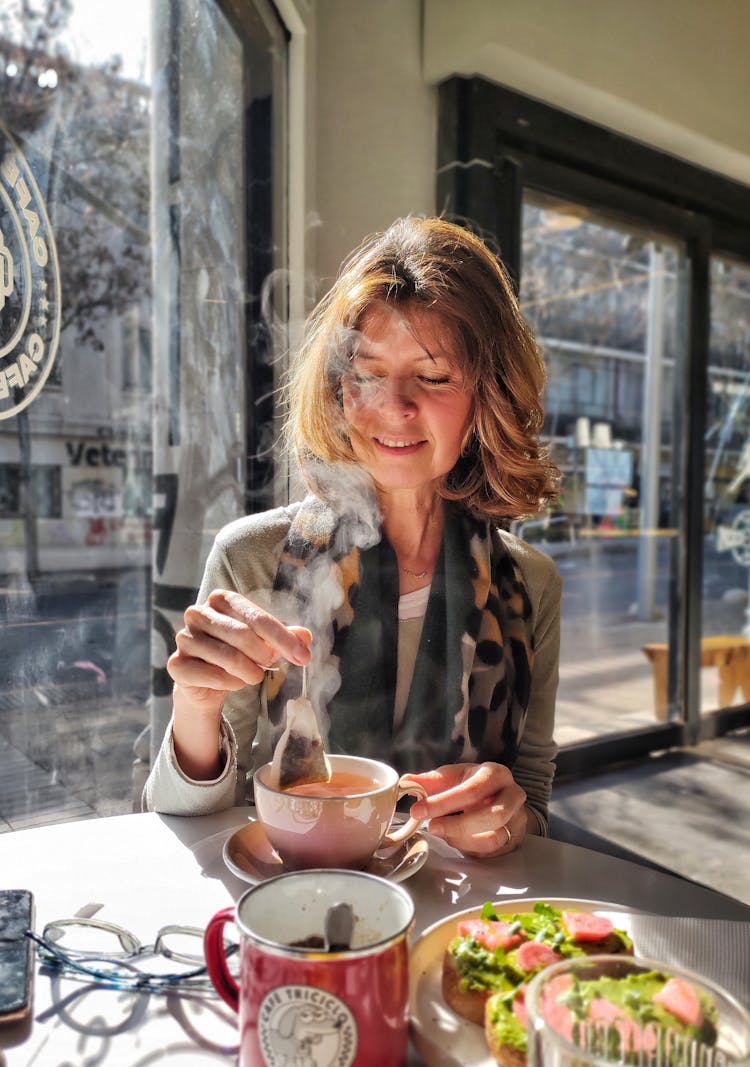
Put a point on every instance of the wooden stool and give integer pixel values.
(730, 654)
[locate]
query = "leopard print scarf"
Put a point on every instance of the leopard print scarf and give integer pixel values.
(472, 676)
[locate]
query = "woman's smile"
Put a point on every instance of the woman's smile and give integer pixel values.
(391, 444)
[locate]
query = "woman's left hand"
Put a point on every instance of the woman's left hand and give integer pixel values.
(475, 807)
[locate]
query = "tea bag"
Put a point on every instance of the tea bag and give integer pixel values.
(299, 757)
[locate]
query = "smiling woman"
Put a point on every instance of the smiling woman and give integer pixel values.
(430, 634)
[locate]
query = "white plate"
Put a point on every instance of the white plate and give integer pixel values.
(442, 1038)
(249, 854)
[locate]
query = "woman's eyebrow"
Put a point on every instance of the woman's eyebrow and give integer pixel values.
(361, 353)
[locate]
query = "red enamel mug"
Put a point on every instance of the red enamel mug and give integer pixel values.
(299, 1002)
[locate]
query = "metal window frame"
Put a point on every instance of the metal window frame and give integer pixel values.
(493, 143)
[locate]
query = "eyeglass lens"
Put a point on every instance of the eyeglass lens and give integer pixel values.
(111, 953)
(91, 937)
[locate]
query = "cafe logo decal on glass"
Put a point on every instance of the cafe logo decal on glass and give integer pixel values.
(301, 1024)
(29, 280)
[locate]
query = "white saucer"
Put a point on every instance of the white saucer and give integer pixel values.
(249, 854)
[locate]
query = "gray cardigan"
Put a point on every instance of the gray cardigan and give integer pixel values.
(245, 557)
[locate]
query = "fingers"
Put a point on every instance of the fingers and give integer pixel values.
(494, 842)
(198, 672)
(304, 635)
(458, 786)
(229, 642)
(253, 627)
(481, 838)
(491, 832)
(479, 810)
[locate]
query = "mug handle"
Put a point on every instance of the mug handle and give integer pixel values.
(216, 959)
(397, 837)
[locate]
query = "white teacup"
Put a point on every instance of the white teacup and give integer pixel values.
(340, 823)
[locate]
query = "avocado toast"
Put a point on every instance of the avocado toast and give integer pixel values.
(497, 953)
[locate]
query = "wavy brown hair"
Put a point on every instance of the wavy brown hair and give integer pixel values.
(434, 266)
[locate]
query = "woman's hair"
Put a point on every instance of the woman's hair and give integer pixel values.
(430, 265)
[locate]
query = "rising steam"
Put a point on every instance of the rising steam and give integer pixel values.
(318, 593)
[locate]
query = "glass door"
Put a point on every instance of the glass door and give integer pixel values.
(726, 584)
(604, 299)
(632, 268)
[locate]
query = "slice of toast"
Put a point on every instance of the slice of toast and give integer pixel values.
(466, 987)
(467, 1002)
(505, 1031)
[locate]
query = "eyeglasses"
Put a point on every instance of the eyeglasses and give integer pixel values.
(114, 957)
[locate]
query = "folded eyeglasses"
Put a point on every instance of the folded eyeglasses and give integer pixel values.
(112, 956)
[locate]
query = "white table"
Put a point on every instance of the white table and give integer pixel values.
(149, 870)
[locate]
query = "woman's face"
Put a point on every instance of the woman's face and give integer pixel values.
(405, 399)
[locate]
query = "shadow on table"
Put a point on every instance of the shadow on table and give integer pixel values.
(207, 849)
(99, 1015)
(571, 833)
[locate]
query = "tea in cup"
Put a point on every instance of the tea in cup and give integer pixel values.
(340, 823)
(302, 1000)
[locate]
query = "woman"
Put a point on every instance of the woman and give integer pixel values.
(432, 637)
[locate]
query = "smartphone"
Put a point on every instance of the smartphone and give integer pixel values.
(16, 954)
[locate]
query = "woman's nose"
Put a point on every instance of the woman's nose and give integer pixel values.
(398, 397)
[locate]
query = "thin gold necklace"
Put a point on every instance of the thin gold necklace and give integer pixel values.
(414, 574)
(419, 575)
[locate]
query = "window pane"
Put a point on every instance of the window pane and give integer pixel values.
(603, 300)
(75, 674)
(142, 225)
(726, 581)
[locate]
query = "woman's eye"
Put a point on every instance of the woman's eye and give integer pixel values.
(363, 379)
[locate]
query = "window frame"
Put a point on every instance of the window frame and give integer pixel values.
(493, 143)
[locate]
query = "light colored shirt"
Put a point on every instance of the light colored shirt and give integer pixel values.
(412, 608)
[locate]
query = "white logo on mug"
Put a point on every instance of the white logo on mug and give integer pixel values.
(299, 1024)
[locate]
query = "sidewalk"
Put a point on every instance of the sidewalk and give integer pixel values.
(66, 752)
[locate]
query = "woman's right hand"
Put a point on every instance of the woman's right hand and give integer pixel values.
(227, 642)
